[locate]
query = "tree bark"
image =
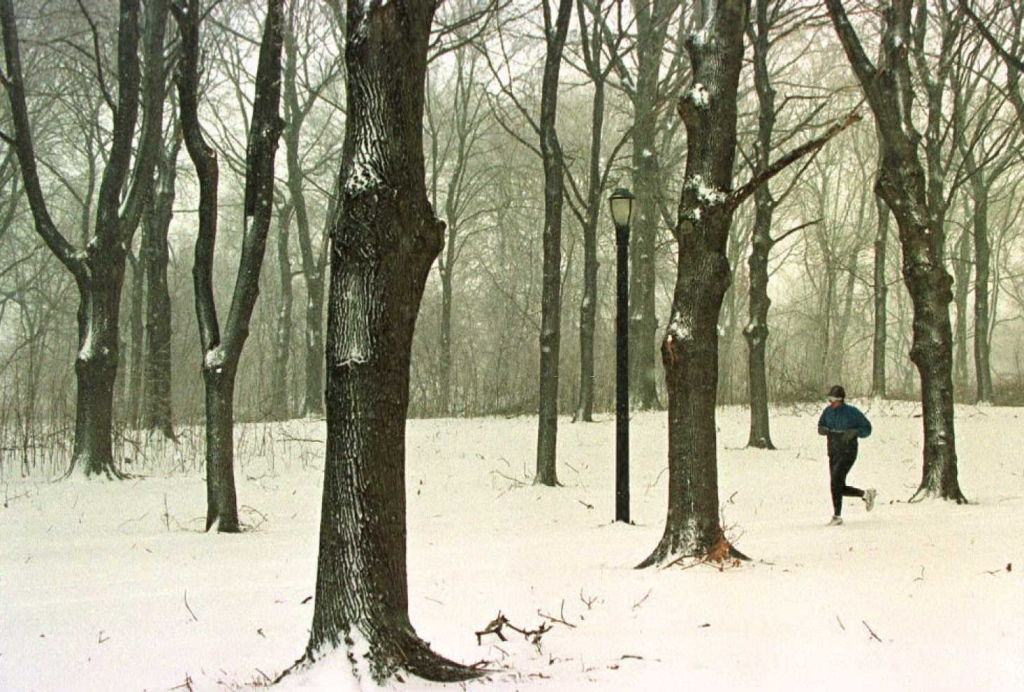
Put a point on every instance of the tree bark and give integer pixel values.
(96, 371)
(901, 182)
(384, 241)
(555, 30)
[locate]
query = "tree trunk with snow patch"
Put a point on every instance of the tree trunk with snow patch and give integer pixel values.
(384, 240)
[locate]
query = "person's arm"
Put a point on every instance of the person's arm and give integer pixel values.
(863, 426)
(822, 428)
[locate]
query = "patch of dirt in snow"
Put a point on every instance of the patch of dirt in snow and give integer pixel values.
(108, 585)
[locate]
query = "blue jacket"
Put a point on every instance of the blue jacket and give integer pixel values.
(845, 417)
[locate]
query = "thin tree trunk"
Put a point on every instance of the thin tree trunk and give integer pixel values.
(156, 414)
(961, 286)
(134, 381)
(756, 331)
(652, 18)
(555, 29)
(588, 302)
(982, 260)
(446, 330)
(312, 265)
(881, 292)
(283, 331)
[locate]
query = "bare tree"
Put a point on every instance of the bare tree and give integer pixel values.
(99, 267)
(690, 347)
(901, 182)
(222, 351)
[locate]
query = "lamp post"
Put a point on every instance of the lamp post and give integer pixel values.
(621, 203)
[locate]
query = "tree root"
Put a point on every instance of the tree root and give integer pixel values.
(722, 554)
(924, 493)
(393, 654)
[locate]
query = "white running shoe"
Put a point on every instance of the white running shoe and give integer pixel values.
(836, 521)
(869, 498)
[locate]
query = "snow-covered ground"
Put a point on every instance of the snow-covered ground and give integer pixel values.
(109, 585)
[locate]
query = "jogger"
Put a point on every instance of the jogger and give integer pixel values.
(843, 424)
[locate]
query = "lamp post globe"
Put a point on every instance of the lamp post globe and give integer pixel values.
(621, 203)
(621, 207)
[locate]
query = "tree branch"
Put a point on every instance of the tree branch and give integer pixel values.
(813, 146)
(22, 144)
(1011, 60)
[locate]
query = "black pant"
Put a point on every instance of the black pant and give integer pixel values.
(840, 461)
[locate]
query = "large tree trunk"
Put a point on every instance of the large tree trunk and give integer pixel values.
(96, 369)
(556, 29)
(221, 500)
(689, 350)
(901, 182)
(384, 240)
(156, 407)
(881, 292)
(652, 18)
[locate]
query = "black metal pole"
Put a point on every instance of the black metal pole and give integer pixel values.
(622, 376)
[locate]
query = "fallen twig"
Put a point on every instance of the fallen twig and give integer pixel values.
(641, 601)
(190, 611)
(588, 601)
(1008, 568)
(561, 617)
(871, 631)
